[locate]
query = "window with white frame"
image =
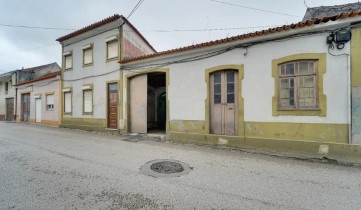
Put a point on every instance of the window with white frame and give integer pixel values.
(67, 102)
(87, 55)
(87, 101)
(298, 85)
(50, 102)
(112, 49)
(68, 61)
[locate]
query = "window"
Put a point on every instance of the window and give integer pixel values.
(88, 55)
(297, 85)
(49, 102)
(68, 61)
(6, 87)
(88, 101)
(67, 102)
(112, 49)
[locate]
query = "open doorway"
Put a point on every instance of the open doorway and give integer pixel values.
(148, 99)
(156, 103)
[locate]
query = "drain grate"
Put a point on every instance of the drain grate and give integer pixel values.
(167, 167)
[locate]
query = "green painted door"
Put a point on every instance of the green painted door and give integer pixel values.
(162, 110)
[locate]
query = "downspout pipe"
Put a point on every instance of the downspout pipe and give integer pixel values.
(349, 97)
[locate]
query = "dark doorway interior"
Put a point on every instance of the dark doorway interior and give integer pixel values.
(156, 102)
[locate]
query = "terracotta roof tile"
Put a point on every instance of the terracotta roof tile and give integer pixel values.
(102, 23)
(298, 25)
(89, 27)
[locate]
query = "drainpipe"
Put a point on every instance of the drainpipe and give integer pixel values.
(16, 96)
(349, 94)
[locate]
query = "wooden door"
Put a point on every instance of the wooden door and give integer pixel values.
(38, 110)
(113, 105)
(9, 109)
(25, 107)
(138, 104)
(224, 106)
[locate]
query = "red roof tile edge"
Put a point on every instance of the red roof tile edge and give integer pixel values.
(248, 35)
(89, 27)
(47, 76)
(101, 23)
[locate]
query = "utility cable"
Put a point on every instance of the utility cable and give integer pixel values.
(252, 8)
(135, 8)
(152, 30)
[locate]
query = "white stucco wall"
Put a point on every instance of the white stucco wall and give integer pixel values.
(100, 66)
(41, 88)
(187, 89)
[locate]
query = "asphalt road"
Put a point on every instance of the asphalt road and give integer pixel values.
(54, 168)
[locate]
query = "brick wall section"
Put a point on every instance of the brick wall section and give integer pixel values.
(130, 50)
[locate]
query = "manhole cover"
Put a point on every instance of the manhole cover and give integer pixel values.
(165, 168)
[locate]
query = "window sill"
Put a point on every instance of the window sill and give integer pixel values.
(69, 69)
(112, 59)
(88, 64)
(67, 113)
(307, 112)
(87, 113)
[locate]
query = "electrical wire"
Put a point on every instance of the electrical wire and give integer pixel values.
(135, 8)
(152, 30)
(35, 48)
(98, 75)
(252, 8)
(215, 53)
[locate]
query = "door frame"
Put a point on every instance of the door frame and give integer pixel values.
(107, 101)
(208, 72)
(129, 76)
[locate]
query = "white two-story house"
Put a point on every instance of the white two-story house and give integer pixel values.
(91, 73)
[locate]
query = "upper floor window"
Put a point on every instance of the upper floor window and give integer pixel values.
(6, 87)
(112, 47)
(68, 60)
(297, 82)
(88, 54)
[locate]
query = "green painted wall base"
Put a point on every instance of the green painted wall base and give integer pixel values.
(89, 124)
(312, 148)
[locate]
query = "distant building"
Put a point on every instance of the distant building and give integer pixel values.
(12, 84)
(313, 13)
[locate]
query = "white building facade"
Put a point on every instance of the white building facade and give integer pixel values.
(255, 89)
(91, 73)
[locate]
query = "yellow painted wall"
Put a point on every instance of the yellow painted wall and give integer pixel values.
(356, 57)
(316, 132)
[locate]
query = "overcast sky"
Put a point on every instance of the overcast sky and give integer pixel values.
(26, 47)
